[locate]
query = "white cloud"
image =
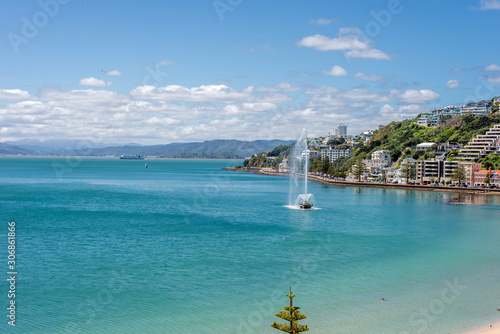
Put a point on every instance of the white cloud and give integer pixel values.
(336, 71)
(413, 96)
(346, 41)
(493, 78)
(163, 63)
(327, 99)
(457, 69)
(14, 94)
(259, 107)
(492, 67)
(389, 113)
(248, 108)
(350, 40)
(322, 22)
(372, 53)
(281, 87)
(452, 84)
(321, 90)
(271, 98)
(113, 73)
(204, 93)
(489, 4)
(156, 115)
(93, 82)
(368, 77)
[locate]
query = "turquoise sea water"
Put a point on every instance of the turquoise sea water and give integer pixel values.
(108, 246)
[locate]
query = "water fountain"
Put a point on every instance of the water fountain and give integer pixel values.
(299, 167)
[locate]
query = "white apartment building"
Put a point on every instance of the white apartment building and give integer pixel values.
(474, 107)
(334, 154)
(341, 130)
(482, 145)
(379, 159)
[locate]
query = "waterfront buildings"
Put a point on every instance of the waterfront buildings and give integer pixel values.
(482, 145)
(334, 154)
(379, 159)
(487, 177)
(314, 153)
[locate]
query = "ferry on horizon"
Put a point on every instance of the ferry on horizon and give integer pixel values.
(131, 157)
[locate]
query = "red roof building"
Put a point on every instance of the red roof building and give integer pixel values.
(480, 177)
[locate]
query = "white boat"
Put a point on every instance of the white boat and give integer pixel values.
(131, 157)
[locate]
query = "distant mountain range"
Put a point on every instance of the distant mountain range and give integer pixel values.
(86, 148)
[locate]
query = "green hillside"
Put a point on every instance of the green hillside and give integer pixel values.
(397, 136)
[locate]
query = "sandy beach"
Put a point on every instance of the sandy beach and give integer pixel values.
(494, 329)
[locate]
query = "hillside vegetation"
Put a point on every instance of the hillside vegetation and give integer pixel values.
(397, 136)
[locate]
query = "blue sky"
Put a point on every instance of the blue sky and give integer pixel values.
(155, 72)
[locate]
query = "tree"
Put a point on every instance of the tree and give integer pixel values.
(407, 170)
(358, 168)
(487, 179)
(325, 164)
(336, 141)
(459, 174)
(293, 315)
(330, 170)
(384, 176)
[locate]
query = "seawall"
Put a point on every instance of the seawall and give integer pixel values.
(377, 184)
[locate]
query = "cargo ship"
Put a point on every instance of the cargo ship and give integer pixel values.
(131, 157)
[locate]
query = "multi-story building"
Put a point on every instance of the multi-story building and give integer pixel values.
(447, 147)
(425, 146)
(437, 114)
(379, 159)
(482, 145)
(341, 130)
(365, 135)
(437, 171)
(315, 142)
(334, 154)
(314, 153)
(424, 120)
(474, 107)
(493, 176)
(283, 166)
(470, 169)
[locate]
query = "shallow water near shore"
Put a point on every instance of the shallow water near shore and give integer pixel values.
(109, 246)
